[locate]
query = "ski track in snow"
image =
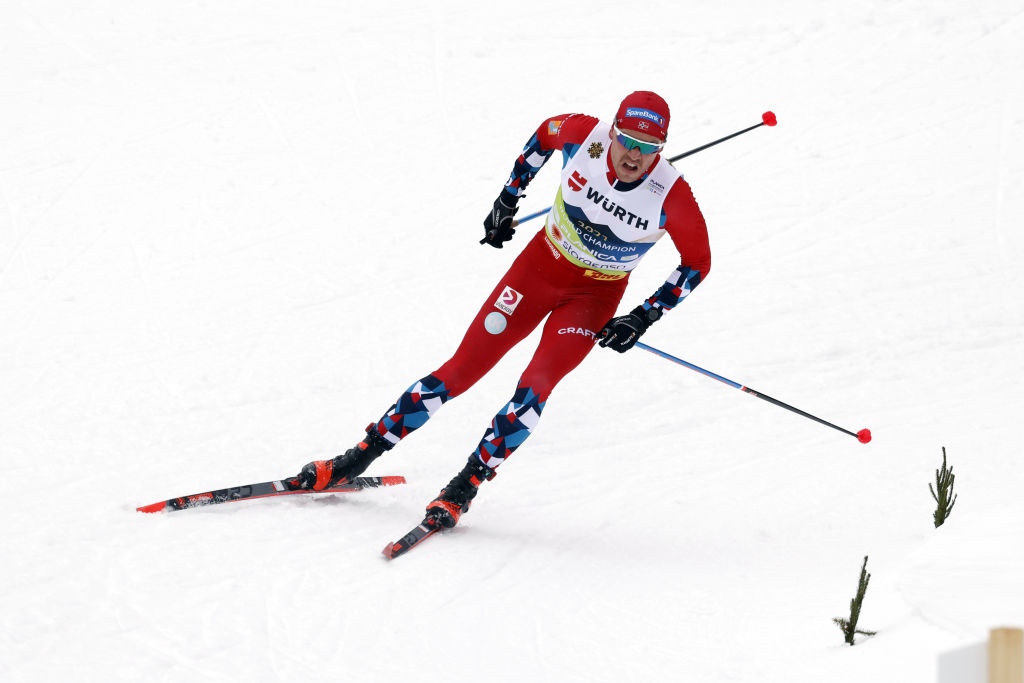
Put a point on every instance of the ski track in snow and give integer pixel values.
(235, 233)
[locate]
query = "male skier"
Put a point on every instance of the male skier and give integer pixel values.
(616, 198)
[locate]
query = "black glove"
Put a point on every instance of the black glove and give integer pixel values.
(498, 224)
(622, 332)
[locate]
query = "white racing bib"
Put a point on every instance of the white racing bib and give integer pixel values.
(597, 227)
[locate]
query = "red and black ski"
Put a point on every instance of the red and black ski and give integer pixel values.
(427, 528)
(264, 489)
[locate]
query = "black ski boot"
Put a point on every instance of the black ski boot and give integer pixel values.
(322, 474)
(455, 498)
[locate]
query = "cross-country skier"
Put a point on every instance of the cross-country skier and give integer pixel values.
(617, 197)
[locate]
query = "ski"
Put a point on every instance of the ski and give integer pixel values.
(427, 528)
(264, 489)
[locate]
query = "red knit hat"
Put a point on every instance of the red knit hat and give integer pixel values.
(644, 111)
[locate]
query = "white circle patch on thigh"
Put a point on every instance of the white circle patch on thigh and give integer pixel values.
(495, 323)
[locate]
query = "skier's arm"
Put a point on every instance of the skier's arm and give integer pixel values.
(684, 223)
(564, 132)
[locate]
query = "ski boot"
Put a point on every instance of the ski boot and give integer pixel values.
(322, 474)
(455, 498)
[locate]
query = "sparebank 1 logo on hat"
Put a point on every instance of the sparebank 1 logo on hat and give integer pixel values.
(508, 300)
(637, 113)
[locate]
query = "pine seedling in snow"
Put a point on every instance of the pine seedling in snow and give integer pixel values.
(945, 498)
(849, 626)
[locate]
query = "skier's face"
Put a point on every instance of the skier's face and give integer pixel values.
(630, 164)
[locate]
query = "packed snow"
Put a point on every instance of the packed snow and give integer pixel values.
(232, 233)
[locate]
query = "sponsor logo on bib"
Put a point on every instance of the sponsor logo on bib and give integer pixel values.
(576, 181)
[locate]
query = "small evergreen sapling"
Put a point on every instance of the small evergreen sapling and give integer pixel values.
(849, 626)
(945, 498)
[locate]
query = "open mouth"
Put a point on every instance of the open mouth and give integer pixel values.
(630, 166)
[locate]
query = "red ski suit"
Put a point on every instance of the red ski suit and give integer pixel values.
(573, 271)
(536, 285)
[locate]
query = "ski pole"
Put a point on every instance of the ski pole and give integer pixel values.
(531, 216)
(767, 119)
(863, 435)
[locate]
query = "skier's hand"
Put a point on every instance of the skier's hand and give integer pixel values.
(498, 227)
(622, 333)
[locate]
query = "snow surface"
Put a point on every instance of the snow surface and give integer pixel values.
(233, 232)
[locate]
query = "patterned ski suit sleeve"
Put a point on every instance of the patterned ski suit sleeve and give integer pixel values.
(685, 225)
(564, 132)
